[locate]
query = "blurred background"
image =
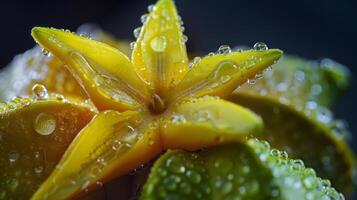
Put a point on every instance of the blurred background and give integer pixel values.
(310, 29)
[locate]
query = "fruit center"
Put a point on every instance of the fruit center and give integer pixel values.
(157, 104)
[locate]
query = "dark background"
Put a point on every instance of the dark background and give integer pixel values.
(312, 28)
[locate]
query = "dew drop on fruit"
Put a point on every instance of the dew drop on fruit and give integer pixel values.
(185, 188)
(151, 8)
(44, 124)
(137, 32)
(13, 184)
(193, 176)
(144, 18)
(227, 187)
(158, 44)
(13, 156)
(39, 91)
(184, 38)
(132, 45)
(251, 81)
(45, 52)
(178, 119)
(224, 49)
(38, 169)
(175, 165)
(260, 46)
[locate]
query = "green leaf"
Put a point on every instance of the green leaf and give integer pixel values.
(293, 100)
(234, 171)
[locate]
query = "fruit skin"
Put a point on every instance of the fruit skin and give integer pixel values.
(34, 134)
(294, 99)
(240, 170)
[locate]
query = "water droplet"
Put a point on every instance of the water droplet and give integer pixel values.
(211, 54)
(316, 89)
(339, 129)
(175, 165)
(44, 124)
(223, 72)
(284, 155)
(258, 76)
(225, 79)
(12, 184)
(45, 52)
(144, 18)
(324, 115)
(13, 156)
(223, 165)
(178, 119)
(297, 164)
(137, 32)
(40, 91)
(300, 75)
(184, 38)
(275, 152)
(265, 144)
(132, 45)
(224, 49)
(260, 46)
(85, 185)
(185, 188)
(227, 187)
(99, 184)
(311, 105)
(251, 81)
(38, 169)
(282, 87)
(151, 8)
(59, 97)
(242, 190)
(196, 59)
(158, 43)
(194, 176)
(171, 182)
(308, 182)
(326, 183)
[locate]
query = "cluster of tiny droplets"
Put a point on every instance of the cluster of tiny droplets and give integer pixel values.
(182, 175)
(44, 124)
(292, 173)
(20, 73)
(283, 85)
(121, 142)
(185, 174)
(144, 18)
(226, 49)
